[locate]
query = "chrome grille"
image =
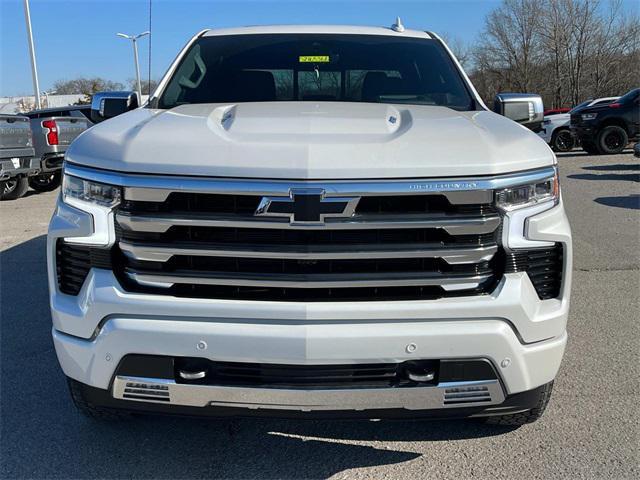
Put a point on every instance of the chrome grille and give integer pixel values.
(397, 244)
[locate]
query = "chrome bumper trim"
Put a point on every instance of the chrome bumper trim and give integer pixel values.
(453, 256)
(404, 279)
(455, 225)
(444, 395)
(156, 188)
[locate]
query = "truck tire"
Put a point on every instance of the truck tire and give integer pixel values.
(590, 148)
(528, 416)
(90, 410)
(562, 140)
(45, 182)
(612, 140)
(13, 188)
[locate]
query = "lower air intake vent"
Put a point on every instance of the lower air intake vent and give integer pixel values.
(471, 394)
(73, 263)
(544, 267)
(146, 391)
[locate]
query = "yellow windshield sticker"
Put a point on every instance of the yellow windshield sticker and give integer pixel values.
(313, 58)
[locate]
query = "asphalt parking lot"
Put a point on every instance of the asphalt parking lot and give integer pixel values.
(591, 428)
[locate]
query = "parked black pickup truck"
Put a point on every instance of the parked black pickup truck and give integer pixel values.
(607, 129)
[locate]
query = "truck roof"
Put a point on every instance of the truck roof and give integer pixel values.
(318, 29)
(11, 115)
(67, 108)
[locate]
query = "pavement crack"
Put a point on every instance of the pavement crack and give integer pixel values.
(609, 269)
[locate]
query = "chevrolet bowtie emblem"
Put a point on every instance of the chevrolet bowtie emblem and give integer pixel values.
(307, 206)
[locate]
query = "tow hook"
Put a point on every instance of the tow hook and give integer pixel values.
(186, 375)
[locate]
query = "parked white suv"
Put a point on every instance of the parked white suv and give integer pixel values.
(311, 220)
(556, 129)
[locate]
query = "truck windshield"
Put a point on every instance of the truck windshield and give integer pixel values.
(579, 106)
(629, 96)
(316, 68)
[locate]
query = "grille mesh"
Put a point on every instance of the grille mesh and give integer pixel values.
(301, 237)
(247, 204)
(282, 376)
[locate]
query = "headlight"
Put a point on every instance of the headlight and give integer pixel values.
(589, 116)
(90, 192)
(526, 195)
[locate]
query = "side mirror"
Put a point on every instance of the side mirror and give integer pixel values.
(105, 105)
(525, 108)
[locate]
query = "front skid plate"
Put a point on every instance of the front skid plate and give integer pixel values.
(443, 395)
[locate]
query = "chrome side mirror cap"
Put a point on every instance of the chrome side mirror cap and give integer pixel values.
(525, 108)
(105, 105)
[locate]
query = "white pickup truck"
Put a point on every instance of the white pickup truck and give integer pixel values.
(311, 221)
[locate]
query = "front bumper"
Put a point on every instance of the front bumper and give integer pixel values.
(522, 336)
(521, 367)
(545, 134)
(584, 131)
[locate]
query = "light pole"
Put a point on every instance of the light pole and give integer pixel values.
(134, 40)
(32, 51)
(46, 95)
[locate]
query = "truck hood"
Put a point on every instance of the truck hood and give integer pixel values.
(307, 140)
(558, 118)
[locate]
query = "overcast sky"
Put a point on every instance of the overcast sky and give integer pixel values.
(78, 37)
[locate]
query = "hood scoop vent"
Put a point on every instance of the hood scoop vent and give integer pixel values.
(297, 122)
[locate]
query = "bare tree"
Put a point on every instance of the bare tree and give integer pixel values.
(86, 86)
(147, 86)
(511, 43)
(616, 44)
(553, 34)
(565, 50)
(459, 48)
(584, 17)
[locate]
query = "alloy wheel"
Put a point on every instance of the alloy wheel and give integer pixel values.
(564, 141)
(613, 140)
(8, 186)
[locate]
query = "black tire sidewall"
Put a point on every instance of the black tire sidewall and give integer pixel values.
(21, 188)
(47, 187)
(602, 146)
